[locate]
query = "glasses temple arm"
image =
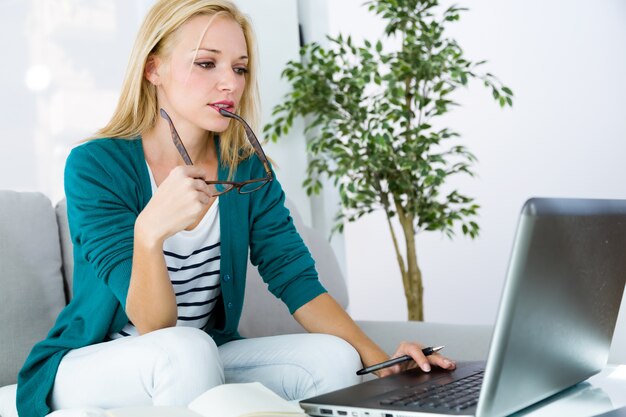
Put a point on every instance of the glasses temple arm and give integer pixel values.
(252, 139)
(176, 139)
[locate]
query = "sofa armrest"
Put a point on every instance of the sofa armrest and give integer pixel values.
(462, 342)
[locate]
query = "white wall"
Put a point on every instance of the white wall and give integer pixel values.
(62, 63)
(276, 26)
(565, 136)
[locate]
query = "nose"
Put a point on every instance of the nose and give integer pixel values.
(227, 79)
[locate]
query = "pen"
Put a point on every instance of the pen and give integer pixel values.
(426, 351)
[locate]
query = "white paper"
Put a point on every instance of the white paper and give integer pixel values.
(243, 400)
(152, 411)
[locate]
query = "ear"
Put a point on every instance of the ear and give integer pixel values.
(151, 71)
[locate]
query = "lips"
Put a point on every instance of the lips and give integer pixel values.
(227, 105)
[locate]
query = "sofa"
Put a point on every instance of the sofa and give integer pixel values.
(36, 283)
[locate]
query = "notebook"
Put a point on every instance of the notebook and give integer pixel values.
(554, 326)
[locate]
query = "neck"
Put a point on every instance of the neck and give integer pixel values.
(159, 146)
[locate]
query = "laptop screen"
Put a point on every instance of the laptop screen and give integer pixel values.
(560, 301)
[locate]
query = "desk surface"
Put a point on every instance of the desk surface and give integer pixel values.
(601, 393)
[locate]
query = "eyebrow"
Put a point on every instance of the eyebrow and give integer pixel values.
(217, 51)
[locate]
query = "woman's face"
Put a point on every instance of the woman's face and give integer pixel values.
(198, 79)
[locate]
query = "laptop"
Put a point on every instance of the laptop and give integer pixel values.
(554, 326)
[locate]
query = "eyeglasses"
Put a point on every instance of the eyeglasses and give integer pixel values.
(218, 188)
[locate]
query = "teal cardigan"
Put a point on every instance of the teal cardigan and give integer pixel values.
(107, 185)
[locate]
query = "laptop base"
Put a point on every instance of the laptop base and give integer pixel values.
(364, 400)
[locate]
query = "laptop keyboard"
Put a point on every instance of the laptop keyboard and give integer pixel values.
(458, 395)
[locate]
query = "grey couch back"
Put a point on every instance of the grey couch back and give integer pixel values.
(36, 278)
(31, 282)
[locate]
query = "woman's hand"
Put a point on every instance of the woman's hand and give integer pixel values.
(177, 203)
(419, 360)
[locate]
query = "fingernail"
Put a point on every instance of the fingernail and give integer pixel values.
(447, 362)
(426, 367)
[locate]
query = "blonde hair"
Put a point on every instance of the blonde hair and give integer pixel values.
(137, 107)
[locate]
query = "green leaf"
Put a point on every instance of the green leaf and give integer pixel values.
(369, 117)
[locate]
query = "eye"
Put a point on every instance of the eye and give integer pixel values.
(241, 70)
(206, 64)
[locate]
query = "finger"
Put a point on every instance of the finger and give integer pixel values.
(203, 187)
(204, 199)
(193, 171)
(415, 351)
(441, 361)
(395, 369)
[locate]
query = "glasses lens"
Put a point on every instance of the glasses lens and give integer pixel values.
(217, 189)
(253, 186)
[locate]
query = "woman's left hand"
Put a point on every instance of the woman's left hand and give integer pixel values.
(419, 360)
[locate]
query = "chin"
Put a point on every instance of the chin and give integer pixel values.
(216, 127)
(215, 123)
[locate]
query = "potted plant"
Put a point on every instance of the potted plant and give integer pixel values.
(374, 119)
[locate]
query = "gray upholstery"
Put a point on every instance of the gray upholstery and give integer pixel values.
(66, 247)
(462, 342)
(36, 253)
(31, 285)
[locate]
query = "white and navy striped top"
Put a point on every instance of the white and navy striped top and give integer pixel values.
(193, 262)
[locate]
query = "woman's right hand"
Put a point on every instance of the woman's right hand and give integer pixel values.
(177, 203)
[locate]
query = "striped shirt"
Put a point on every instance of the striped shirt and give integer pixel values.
(193, 263)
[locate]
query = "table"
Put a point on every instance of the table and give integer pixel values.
(600, 393)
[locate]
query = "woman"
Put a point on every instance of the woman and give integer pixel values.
(161, 246)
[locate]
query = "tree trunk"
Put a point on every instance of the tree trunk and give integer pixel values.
(411, 273)
(415, 299)
(414, 292)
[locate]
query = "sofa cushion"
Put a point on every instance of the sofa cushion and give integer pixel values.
(32, 286)
(66, 247)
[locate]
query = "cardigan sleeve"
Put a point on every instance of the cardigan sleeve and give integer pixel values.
(283, 259)
(102, 207)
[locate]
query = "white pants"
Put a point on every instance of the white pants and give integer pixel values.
(173, 366)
